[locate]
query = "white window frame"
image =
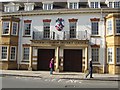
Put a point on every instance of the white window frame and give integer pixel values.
(29, 6)
(27, 29)
(16, 28)
(93, 4)
(11, 53)
(73, 5)
(11, 7)
(110, 4)
(4, 29)
(109, 27)
(6, 53)
(95, 54)
(118, 55)
(110, 50)
(116, 4)
(46, 33)
(25, 55)
(6, 9)
(72, 30)
(97, 28)
(47, 6)
(117, 26)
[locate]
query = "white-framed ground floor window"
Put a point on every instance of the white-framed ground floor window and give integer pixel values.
(118, 55)
(13, 53)
(26, 53)
(95, 54)
(4, 53)
(110, 55)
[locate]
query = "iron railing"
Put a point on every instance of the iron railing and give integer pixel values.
(63, 35)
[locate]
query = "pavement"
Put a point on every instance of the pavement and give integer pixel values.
(59, 75)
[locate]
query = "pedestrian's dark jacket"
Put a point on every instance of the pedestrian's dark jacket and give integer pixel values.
(91, 64)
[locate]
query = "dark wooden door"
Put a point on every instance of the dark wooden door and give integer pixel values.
(72, 60)
(44, 57)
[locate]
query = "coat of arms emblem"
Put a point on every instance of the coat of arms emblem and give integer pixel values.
(59, 24)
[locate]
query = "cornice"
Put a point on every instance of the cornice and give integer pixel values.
(61, 11)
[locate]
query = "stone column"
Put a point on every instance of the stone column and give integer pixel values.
(30, 58)
(57, 59)
(86, 58)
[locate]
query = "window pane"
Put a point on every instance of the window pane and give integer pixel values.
(110, 4)
(47, 30)
(109, 54)
(96, 4)
(13, 52)
(118, 55)
(72, 29)
(5, 27)
(95, 54)
(27, 28)
(116, 4)
(26, 54)
(118, 26)
(49, 6)
(109, 27)
(71, 5)
(14, 31)
(95, 28)
(4, 52)
(75, 6)
(92, 4)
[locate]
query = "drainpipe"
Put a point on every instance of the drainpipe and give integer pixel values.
(104, 21)
(20, 39)
(105, 60)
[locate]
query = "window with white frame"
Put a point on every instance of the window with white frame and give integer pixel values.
(116, 4)
(94, 27)
(73, 5)
(11, 7)
(118, 55)
(27, 29)
(29, 6)
(110, 55)
(46, 26)
(47, 6)
(26, 53)
(6, 27)
(95, 54)
(14, 28)
(117, 26)
(94, 4)
(13, 53)
(4, 52)
(109, 27)
(72, 29)
(110, 4)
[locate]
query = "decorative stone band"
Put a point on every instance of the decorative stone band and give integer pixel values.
(94, 19)
(46, 20)
(27, 21)
(95, 46)
(73, 20)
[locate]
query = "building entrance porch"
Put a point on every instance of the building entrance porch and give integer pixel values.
(69, 55)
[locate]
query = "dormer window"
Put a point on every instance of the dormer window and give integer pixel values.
(116, 4)
(11, 7)
(94, 4)
(47, 6)
(29, 6)
(110, 5)
(73, 5)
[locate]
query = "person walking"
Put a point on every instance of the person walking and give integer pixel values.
(90, 69)
(51, 66)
